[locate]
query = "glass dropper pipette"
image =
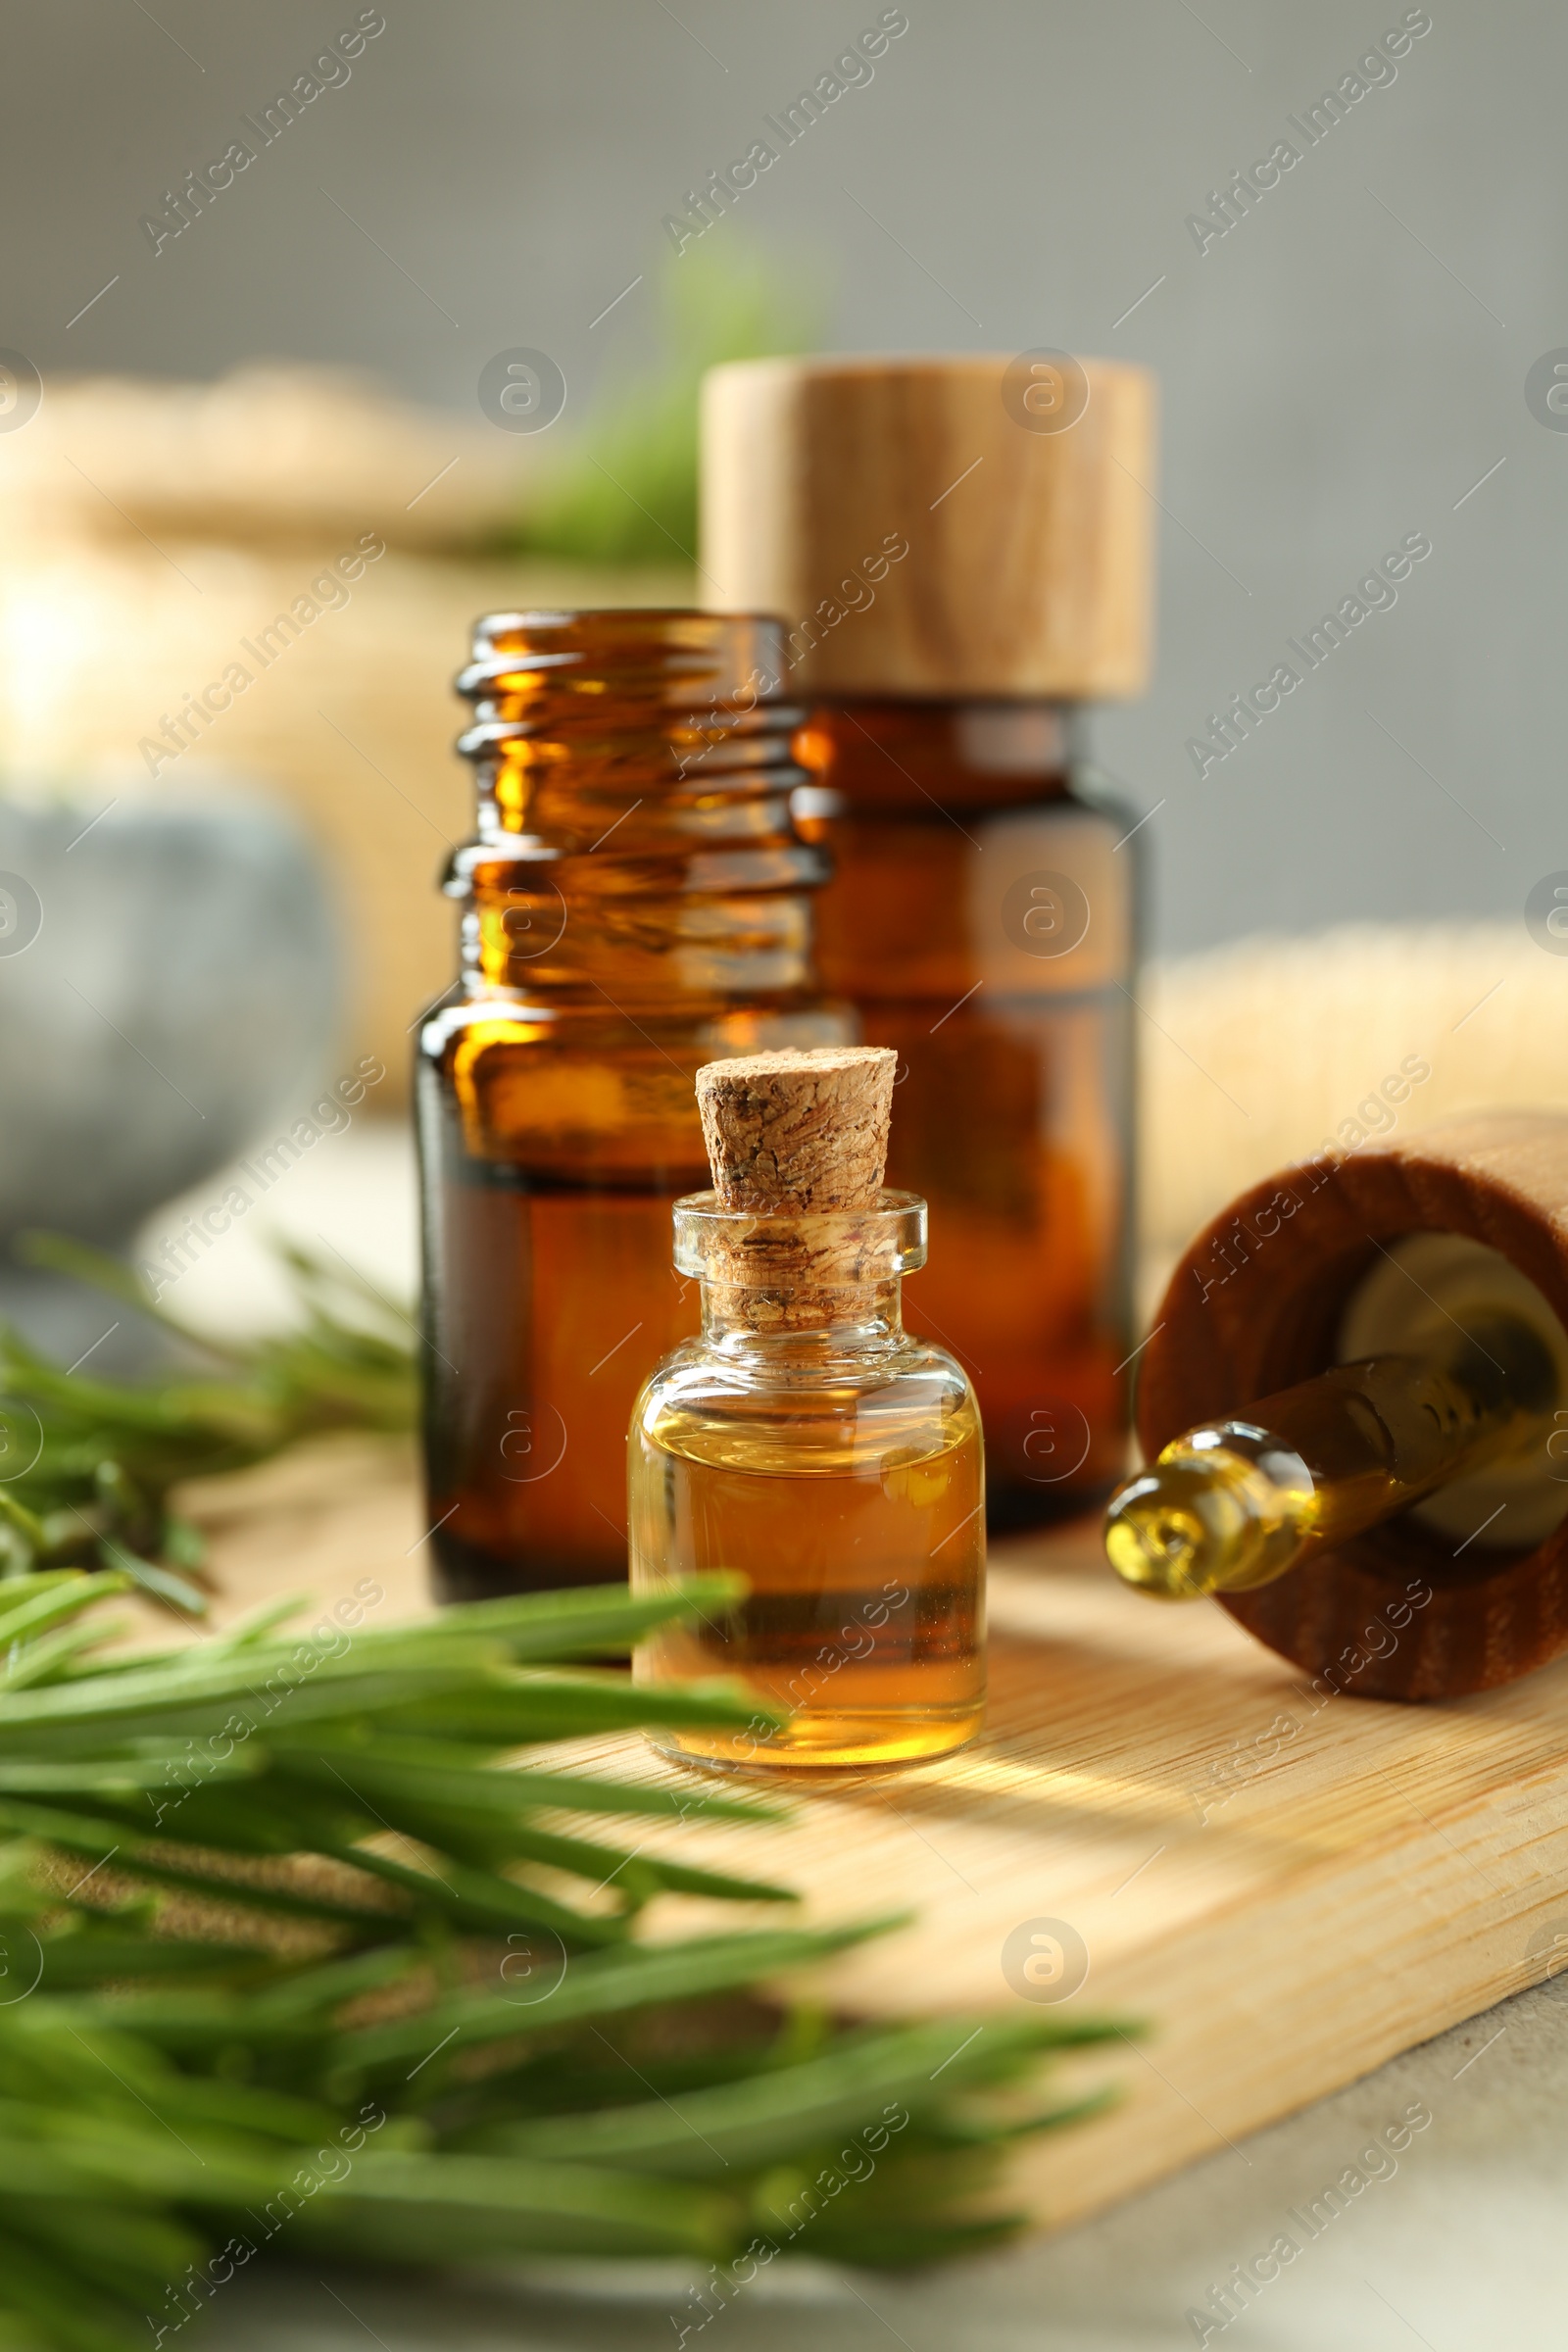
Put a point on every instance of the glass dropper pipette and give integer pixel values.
(1233, 1504)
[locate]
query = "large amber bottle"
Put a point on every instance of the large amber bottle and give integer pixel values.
(962, 547)
(637, 901)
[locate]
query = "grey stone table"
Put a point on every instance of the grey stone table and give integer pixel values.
(1461, 2247)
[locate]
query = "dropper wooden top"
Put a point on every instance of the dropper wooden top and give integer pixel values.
(795, 1131)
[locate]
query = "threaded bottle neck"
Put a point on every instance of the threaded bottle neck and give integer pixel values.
(635, 767)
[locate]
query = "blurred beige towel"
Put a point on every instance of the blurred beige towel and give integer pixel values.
(270, 452)
(1256, 1053)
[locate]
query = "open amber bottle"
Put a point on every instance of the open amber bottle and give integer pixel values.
(636, 902)
(808, 1442)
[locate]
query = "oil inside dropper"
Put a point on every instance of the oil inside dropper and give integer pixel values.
(1234, 1504)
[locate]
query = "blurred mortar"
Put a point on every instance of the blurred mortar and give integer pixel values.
(169, 976)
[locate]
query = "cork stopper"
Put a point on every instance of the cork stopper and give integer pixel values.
(971, 524)
(795, 1131)
(797, 1140)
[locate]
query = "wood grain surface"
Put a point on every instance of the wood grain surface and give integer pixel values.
(1287, 1890)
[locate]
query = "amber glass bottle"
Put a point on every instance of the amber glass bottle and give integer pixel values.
(636, 902)
(962, 547)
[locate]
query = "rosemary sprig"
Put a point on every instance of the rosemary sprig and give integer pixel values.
(624, 489)
(101, 1457)
(296, 1950)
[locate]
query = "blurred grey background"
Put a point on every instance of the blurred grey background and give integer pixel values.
(1338, 370)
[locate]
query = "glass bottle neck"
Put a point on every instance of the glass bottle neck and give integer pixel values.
(801, 1284)
(882, 752)
(841, 1325)
(631, 767)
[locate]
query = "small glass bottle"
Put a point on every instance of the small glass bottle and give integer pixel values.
(637, 901)
(808, 1442)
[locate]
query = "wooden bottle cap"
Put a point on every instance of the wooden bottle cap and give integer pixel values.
(795, 1131)
(1020, 491)
(1254, 1305)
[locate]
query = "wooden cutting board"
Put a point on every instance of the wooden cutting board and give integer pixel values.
(1287, 1890)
